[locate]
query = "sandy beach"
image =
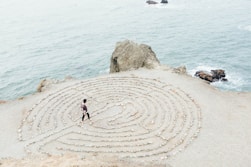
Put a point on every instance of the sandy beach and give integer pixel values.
(142, 116)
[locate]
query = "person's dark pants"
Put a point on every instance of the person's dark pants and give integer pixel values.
(84, 116)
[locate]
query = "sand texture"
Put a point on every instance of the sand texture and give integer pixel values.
(151, 117)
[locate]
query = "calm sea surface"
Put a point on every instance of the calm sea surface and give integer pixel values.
(57, 38)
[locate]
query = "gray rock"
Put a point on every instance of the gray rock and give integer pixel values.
(130, 56)
(151, 2)
(164, 1)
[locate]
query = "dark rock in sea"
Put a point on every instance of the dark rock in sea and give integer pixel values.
(213, 76)
(218, 74)
(204, 75)
(150, 2)
(164, 1)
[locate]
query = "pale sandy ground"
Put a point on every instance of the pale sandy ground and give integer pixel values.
(223, 124)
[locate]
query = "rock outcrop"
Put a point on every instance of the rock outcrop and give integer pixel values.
(214, 75)
(180, 70)
(43, 83)
(151, 2)
(2, 101)
(164, 1)
(218, 74)
(130, 56)
(47, 82)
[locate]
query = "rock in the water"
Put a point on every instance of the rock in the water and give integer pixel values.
(130, 56)
(151, 2)
(218, 74)
(204, 75)
(214, 75)
(164, 1)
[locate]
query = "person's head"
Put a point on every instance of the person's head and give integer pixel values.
(84, 100)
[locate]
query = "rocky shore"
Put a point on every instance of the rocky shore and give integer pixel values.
(142, 114)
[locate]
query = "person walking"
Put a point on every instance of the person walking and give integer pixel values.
(85, 111)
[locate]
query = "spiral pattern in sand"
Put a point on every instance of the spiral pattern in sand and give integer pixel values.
(131, 117)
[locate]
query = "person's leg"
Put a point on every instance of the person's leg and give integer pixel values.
(88, 115)
(83, 117)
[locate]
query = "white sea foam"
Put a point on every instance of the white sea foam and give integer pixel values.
(246, 28)
(235, 81)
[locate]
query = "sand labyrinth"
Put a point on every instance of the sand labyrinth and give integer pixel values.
(130, 116)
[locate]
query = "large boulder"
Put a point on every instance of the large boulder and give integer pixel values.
(214, 75)
(130, 56)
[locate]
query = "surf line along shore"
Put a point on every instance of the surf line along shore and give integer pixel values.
(142, 112)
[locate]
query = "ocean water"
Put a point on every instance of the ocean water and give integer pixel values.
(57, 38)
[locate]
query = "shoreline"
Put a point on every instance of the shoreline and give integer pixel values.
(53, 81)
(160, 90)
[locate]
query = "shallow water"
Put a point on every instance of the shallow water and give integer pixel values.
(52, 38)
